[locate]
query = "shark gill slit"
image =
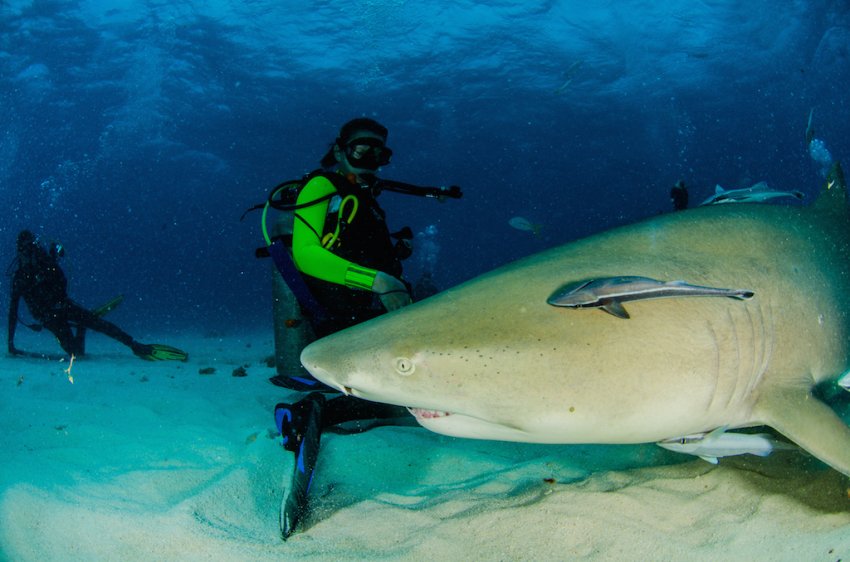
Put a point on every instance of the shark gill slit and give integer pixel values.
(714, 392)
(736, 344)
(764, 321)
(754, 355)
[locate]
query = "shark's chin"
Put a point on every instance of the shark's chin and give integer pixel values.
(462, 425)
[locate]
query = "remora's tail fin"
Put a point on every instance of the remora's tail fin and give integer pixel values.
(833, 194)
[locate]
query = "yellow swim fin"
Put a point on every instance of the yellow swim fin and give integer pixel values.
(160, 352)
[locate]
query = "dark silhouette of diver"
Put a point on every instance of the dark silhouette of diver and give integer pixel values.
(41, 283)
(679, 196)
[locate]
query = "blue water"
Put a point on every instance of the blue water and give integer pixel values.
(136, 133)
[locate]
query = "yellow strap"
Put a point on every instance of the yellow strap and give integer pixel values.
(330, 239)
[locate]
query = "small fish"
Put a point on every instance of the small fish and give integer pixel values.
(758, 193)
(718, 443)
(810, 131)
(608, 293)
(568, 76)
(522, 223)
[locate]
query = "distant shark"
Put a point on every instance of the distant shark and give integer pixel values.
(758, 193)
(491, 359)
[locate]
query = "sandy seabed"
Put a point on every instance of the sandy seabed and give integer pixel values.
(156, 461)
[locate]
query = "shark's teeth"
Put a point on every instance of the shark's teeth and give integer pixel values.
(428, 414)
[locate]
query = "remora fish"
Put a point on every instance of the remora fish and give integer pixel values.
(491, 359)
(719, 443)
(608, 293)
(758, 193)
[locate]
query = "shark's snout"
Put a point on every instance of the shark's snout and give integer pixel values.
(314, 360)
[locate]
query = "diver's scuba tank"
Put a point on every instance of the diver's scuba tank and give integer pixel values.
(292, 332)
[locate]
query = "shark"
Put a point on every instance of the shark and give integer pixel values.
(492, 359)
(758, 193)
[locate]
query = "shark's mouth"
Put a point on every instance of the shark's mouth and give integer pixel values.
(421, 413)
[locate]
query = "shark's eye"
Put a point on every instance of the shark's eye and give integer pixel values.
(404, 366)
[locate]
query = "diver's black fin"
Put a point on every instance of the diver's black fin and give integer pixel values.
(303, 436)
(300, 383)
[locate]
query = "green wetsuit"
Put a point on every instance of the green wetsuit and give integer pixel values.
(341, 274)
(307, 250)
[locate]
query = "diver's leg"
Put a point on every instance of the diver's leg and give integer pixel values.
(80, 340)
(300, 427)
(350, 409)
(58, 324)
(86, 319)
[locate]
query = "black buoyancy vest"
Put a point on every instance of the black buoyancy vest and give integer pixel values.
(42, 284)
(365, 240)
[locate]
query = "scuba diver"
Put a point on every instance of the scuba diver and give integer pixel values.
(39, 280)
(679, 196)
(348, 271)
(817, 149)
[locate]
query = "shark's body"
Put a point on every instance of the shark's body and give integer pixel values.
(491, 359)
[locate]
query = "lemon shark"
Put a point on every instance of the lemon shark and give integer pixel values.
(491, 359)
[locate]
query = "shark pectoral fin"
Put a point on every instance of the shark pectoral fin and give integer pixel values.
(712, 460)
(809, 423)
(616, 308)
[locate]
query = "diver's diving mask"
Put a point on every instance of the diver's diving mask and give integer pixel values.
(367, 153)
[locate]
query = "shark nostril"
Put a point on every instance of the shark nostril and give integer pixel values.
(346, 390)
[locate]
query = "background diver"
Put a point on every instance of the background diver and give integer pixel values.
(679, 196)
(41, 283)
(352, 269)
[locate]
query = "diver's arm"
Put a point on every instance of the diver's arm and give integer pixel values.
(313, 259)
(307, 251)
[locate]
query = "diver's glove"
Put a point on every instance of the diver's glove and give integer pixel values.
(392, 292)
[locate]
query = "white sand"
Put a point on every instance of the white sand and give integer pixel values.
(153, 461)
